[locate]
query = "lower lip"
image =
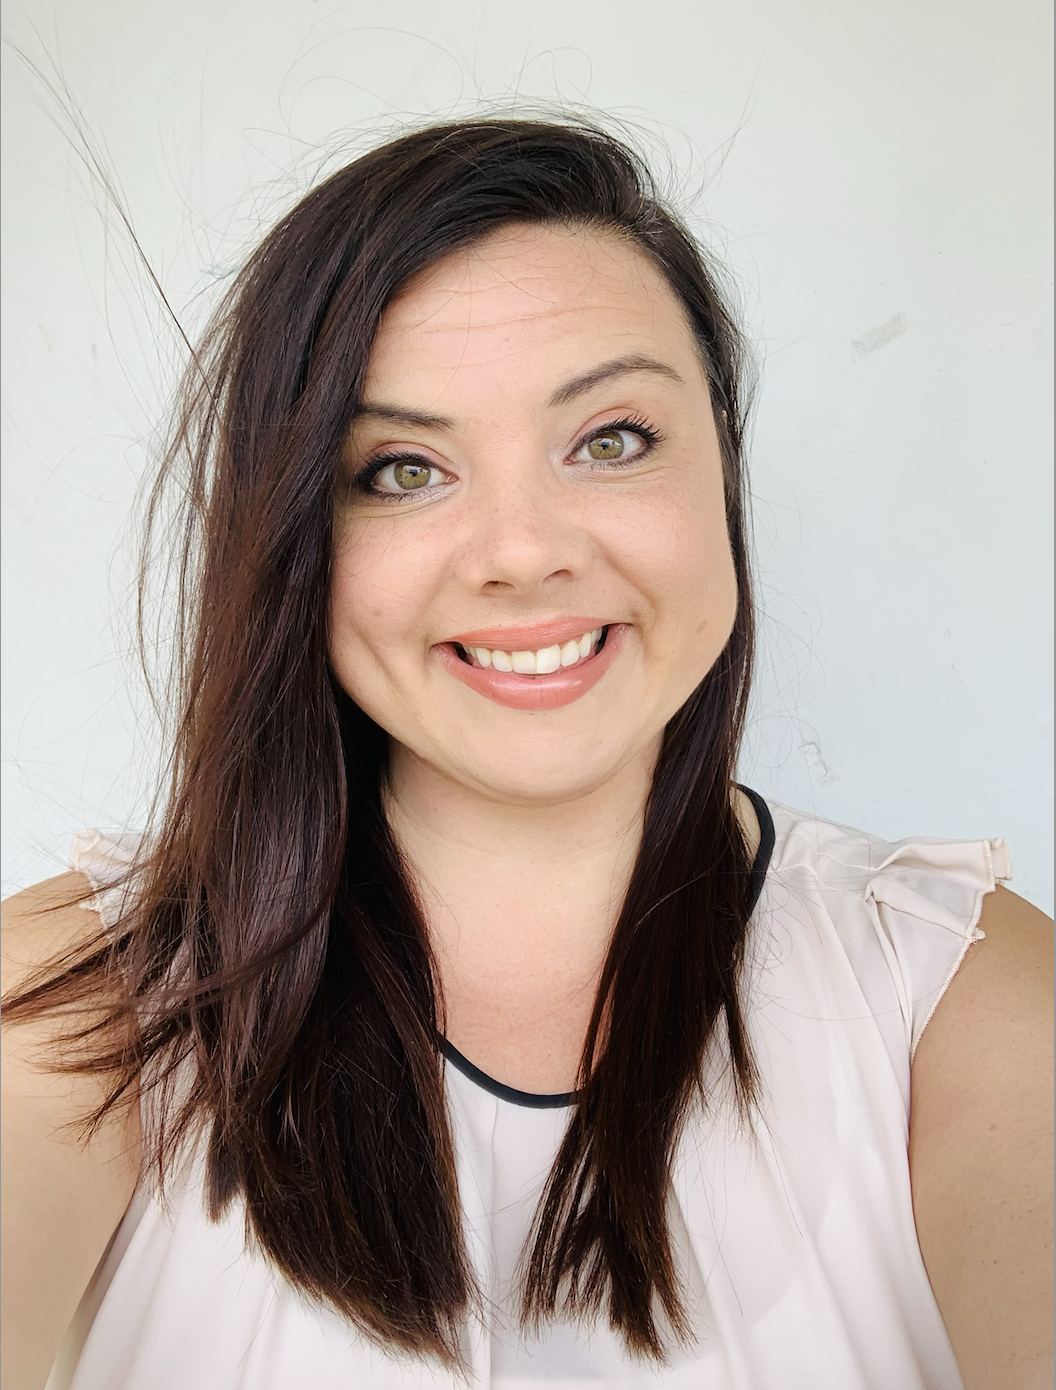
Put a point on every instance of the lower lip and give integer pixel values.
(535, 692)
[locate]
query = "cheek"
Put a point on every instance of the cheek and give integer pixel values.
(371, 606)
(679, 547)
(710, 603)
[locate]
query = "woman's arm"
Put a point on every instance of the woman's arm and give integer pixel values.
(62, 1199)
(980, 1151)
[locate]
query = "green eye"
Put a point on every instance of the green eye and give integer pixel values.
(409, 476)
(606, 445)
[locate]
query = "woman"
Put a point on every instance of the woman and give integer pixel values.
(481, 1027)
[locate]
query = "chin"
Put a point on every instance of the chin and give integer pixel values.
(561, 771)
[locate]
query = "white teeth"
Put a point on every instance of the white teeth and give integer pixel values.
(538, 663)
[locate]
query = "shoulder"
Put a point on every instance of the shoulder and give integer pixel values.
(1005, 983)
(986, 1056)
(988, 1048)
(48, 921)
(43, 930)
(63, 1193)
(43, 922)
(981, 1148)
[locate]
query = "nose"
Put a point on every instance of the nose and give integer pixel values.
(526, 532)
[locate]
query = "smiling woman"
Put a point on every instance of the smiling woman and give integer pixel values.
(462, 1018)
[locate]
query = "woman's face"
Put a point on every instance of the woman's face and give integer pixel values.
(532, 570)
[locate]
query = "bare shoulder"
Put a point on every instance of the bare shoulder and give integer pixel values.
(981, 1150)
(62, 1195)
(996, 1017)
(42, 922)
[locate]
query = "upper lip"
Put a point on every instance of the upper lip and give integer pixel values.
(531, 638)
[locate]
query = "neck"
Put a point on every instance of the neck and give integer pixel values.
(520, 901)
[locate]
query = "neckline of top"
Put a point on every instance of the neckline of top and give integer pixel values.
(561, 1100)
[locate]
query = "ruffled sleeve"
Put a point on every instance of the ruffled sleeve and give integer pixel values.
(901, 913)
(929, 897)
(105, 860)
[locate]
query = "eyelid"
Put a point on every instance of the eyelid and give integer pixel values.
(630, 423)
(393, 453)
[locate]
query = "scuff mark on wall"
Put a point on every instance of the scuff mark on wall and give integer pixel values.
(819, 768)
(876, 338)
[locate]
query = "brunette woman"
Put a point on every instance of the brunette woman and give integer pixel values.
(461, 1019)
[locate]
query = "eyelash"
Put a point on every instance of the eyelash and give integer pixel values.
(632, 424)
(370, 471)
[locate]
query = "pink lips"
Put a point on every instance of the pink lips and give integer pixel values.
(533, 692)
(529, 639)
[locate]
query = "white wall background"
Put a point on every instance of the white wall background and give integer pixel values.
(875, 172)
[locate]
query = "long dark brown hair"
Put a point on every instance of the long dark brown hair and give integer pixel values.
(273, 955)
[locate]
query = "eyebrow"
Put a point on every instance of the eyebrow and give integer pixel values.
(403, 415)
(619, 366)
(567, 392)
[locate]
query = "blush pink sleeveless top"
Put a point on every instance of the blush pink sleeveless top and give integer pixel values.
(795, 1242)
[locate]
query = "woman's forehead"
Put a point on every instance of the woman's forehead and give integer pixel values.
(535, 299)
